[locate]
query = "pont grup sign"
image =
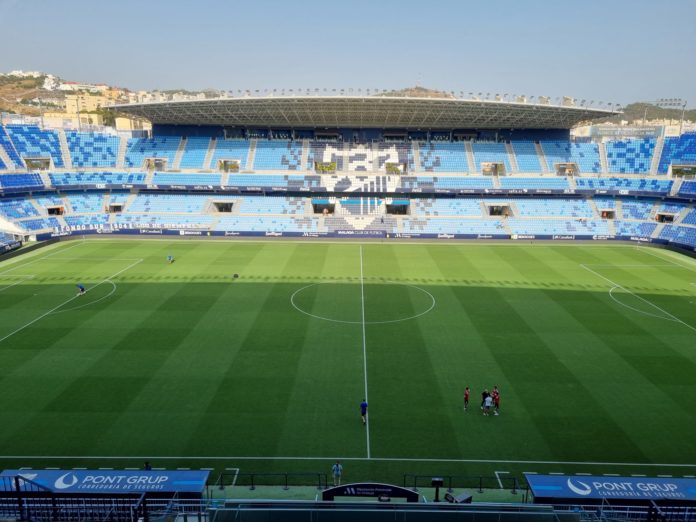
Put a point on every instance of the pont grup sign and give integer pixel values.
(586, 487)
(107, 481)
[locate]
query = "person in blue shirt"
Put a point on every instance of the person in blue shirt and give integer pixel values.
(363, 411)
(170, 259)
(81, 289)
(337, 471)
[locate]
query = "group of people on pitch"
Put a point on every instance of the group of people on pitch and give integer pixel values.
(489, 400)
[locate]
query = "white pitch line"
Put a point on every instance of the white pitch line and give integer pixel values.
(108, 279)
(41, 258)
(25, 278)
(639, 297)
(364, 343)
(352, 459)
(647, 251)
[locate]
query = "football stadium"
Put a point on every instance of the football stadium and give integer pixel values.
(258, 267)
(325, 305)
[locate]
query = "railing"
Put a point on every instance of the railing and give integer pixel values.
(479, 482)
(286, 480)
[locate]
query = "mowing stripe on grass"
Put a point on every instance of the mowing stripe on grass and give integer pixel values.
(41, 258)
(616, 285)
(108, 279)
(357, 459)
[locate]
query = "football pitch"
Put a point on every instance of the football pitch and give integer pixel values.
(592, 346)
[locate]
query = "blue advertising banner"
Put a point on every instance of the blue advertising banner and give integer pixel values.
(101, 481)
(578, 488)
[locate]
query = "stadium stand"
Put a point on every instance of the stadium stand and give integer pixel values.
(20, 180)
(443, 157)
(326, 153)
(31, 142)
(278, 155)
(585, 155)
(195, 151)
(680, 150)
(637, 209)
(527, 157)
(550, 183)
(490, 153)
(6, 144)
(631, 184)
(96, 178)
(630, 156)
(163, 147)
(551, 207)
(163, 178)
(230, 150)
(679, 234)
(92, 150)
(688, 188)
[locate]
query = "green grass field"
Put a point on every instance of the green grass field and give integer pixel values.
(592, 346)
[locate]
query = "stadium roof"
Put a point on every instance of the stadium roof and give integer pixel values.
(363, 112)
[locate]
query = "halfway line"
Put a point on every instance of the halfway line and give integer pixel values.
(364, 343)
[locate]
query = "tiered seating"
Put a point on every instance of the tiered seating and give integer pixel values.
(490, 153)
(139, 149)
(630, 156)
(400, 153)
(32, 142)
(266, 224)
(631, 184)
(271, 205)
(585, 155)
(446, 182)
(86, 203)
(49, 200)
(162, 178)
(680, 235)
(672, 208)
(605, 203)
(527, 157)
(9, 147)
(87, 220)
(637, 209)
(557, 227)
(230, 150)
(453, 226)
(20, 180)
(443, 157)
(447, 207)
(278, 155)
(39, 224)
(195, 151)
(88, 149)
(552, 207)
(17, 208)
(292, 182)
(688, 188)
(150, 202)
(362, 206)
(555, 183)
(96, 178)
(634, 228)
(360, 158)
(164, 220)
(325, 153)
(678, 151)
(690, 218)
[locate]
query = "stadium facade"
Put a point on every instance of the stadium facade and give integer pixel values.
(350, 166)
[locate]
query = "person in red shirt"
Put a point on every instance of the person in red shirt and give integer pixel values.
(466, 398)
(496, 400)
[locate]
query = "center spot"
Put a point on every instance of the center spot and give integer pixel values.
(381, 303)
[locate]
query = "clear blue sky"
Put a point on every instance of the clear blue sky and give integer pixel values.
(611, 50)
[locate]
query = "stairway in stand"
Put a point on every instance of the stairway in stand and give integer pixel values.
(179, 153)
(122, 149)
(64, 149)
(659, 145)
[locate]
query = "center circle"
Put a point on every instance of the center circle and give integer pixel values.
(354, 303)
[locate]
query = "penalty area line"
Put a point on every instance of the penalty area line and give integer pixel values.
(52, 310)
